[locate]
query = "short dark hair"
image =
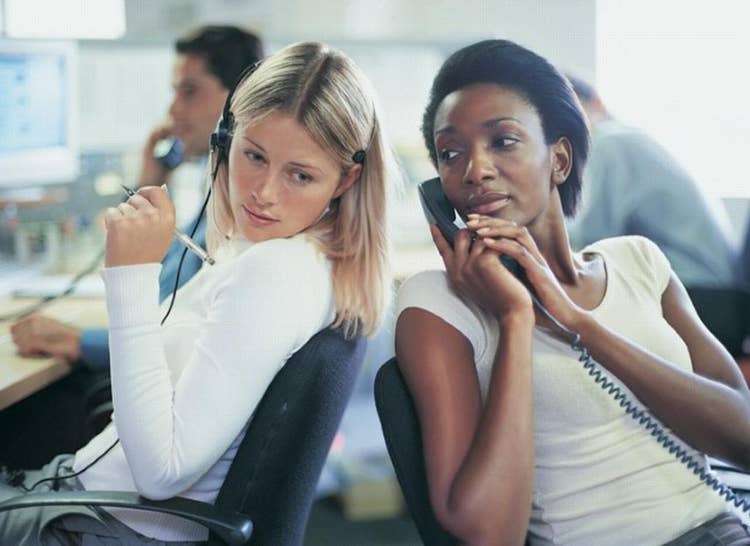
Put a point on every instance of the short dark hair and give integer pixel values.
(533, 77)
(227, 50)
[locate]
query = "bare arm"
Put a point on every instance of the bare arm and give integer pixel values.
(479, 459)
(709, 409)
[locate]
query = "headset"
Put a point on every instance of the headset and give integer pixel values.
(218, 146)
(221, 138)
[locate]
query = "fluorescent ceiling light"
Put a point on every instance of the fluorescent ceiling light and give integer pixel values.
(76, 19)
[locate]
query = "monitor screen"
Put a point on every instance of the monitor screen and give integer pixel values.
(38, 118)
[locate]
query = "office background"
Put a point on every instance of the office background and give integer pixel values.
(674, 68)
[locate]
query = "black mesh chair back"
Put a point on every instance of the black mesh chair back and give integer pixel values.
(273, 476)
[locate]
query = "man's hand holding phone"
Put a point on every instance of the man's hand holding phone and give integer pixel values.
(153, 171)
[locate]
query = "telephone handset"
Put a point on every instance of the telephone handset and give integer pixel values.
(169, 152)
(439, 211)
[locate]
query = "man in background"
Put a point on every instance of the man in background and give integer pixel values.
(633, 186)
(208, 62)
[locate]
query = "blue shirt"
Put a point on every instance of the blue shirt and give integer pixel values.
(95, 341)
(632, 186)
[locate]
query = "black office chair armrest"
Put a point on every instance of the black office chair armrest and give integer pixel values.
(233, 529)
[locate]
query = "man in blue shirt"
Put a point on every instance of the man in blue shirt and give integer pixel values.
(633, 186)
(207, 63)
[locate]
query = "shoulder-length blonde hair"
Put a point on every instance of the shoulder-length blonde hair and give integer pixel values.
(326, 93)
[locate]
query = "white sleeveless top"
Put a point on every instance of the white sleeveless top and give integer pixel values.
(600, 478)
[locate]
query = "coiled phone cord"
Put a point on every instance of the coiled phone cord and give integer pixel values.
(642, 417)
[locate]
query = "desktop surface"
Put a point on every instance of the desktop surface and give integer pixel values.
(22, 376)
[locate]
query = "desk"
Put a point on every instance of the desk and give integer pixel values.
(20, 377)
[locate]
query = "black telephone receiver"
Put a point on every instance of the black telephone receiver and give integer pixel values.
(440, 211)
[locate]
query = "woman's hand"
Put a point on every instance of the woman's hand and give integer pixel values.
(140, 230)
(476, 272)
(507, 238)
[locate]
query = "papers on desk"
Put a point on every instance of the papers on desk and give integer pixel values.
(43, 286)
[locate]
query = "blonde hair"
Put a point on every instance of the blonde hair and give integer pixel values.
(326, 93)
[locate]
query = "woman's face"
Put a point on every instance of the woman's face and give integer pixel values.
(492, 155)
(280, 179)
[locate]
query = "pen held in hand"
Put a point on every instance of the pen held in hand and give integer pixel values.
(184, 239)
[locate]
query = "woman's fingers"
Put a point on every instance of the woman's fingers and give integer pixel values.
(515, 250)
(138, 201)
(487, 227)
(126, 209)
(443, 247)
(141, 229)
(156, 196)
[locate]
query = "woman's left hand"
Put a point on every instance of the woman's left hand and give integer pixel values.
(140, 230)
(516, 242)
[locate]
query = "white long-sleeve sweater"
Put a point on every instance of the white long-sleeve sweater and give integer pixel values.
(184, 392)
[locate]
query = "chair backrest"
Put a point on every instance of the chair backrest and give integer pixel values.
(743, 266)
(403, 438)
(725, 312)
(273, 476)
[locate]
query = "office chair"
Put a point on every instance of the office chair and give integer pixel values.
(403, 438)
(269, 489)
(726, 313)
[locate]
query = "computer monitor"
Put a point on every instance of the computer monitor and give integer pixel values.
(38, 113)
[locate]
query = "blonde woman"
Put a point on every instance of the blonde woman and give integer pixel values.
(297, 226)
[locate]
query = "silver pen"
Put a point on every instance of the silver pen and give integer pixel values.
(184, 239)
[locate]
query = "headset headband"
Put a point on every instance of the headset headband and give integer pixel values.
(221, 137)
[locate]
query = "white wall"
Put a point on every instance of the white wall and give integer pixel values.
(123, 91)
(560, 29)
(399, 44)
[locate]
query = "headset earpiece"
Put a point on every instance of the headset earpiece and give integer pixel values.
(221, 138)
